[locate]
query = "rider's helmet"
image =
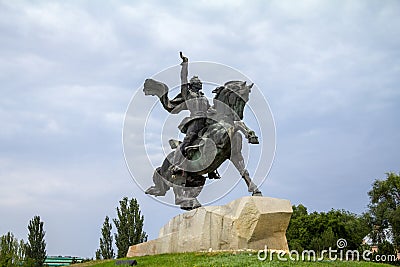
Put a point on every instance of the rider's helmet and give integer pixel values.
(195, 84)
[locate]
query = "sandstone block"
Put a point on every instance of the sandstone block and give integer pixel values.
(245, 223)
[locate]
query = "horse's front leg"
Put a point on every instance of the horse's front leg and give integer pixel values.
(250, 134)
(238, 162)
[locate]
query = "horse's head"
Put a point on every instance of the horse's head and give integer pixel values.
(231, 98)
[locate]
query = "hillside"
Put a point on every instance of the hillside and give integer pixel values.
(223, 259)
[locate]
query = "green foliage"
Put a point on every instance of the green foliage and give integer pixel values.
(129, 226)
(36, 247)
(384, 209)
(319, 231)
(21, 253)
(326, 240)
(12, 252)
(384, 249)
(106, 250)
(98, 254)
(7, 249)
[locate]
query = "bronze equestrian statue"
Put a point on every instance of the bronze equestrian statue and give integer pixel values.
(213, 134)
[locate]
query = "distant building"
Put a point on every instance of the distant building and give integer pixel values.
(387, 234)
(61, 261)
(374, 247)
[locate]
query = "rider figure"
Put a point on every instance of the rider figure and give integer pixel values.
(197, 104)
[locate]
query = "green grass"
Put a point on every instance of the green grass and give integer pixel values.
(223, 259)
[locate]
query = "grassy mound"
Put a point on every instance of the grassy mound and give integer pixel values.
(224, 259)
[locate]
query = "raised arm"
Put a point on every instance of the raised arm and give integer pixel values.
(184, 76)
(174, 106)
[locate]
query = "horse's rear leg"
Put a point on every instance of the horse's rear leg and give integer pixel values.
(186, 197)
(238, 162)
(187, 191)
(159, 188)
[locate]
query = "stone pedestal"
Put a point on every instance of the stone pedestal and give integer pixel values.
(245, 223)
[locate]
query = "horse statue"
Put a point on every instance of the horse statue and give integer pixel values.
(213, 135)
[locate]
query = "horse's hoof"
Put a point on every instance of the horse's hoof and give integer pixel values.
(152, 190)
(190, 204)
(253, 140)
(257, 194)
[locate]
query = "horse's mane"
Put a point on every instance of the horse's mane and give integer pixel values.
(233, 94)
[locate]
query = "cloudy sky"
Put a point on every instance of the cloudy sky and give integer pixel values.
(330, 71)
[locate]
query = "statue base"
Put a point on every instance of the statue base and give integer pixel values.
(247, 223)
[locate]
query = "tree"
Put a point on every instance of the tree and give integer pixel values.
(321, 230)
(98, 254)
(36, 247)
(384, 209)
(8, 249)
(12, 252)
(21, 253)
(106, 250)
(129, 225)
(296, 232)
